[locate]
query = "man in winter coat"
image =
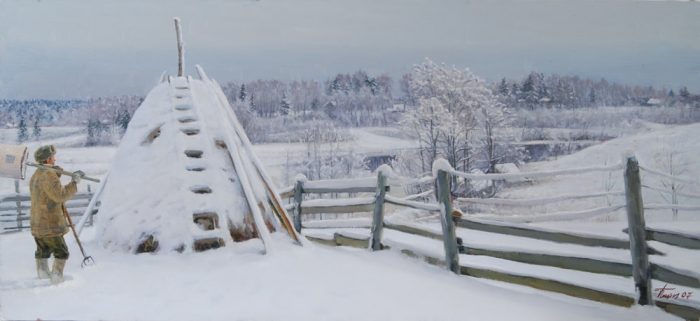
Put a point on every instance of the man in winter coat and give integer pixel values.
(47, 215)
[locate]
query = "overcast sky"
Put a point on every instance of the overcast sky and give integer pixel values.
(84, 48)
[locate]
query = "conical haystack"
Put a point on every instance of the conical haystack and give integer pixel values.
(185, 177)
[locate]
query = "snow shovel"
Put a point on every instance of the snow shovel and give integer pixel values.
(12, 158)
(87, 260)
(12, 163)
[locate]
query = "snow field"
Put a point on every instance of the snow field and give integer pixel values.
(652, 150)
(679, 258)
(238, 283)
(318, 283)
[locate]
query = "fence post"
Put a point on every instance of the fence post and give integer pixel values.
(90, 217)
(298, 198)
(448, 226)
(19, 206)
(375, 243)
(637, 233)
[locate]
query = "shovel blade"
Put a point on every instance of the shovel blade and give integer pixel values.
(12, 158)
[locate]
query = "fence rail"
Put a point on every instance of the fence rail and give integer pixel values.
(15, 209)
(639, 268)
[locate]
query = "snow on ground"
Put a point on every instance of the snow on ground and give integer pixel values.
(318, 283)
(652, 150)
(680, 258)
(295, 283)
(365, 140)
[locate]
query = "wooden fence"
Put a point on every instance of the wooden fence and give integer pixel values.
(640, 268)
(14, 209)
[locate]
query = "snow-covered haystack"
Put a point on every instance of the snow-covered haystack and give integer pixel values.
(184, 177)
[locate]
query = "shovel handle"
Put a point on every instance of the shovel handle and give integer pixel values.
(62, 172)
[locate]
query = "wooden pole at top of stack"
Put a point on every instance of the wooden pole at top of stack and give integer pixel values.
(180, 49)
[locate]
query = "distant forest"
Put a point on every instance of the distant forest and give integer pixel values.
(356, 99)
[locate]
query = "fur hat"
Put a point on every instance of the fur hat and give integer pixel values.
(43, 153)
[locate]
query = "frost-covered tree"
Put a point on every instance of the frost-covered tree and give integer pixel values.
(427, 124)
(285, 106)
(529, 91)
(497, 143)
(326, 156)
(242, 93)
(461, 94)
(22, 132)
(36, 129)
(252, 107)
(123, 119)
(591, 97)
(503, 88)
(97, 133)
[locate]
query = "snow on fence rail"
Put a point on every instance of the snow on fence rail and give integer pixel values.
(666, 191)
(536, 201)
(552, 217)
(670, 177)
(640, 268)
(541, 174)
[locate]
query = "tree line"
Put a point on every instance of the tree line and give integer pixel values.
(537, 90)
(103, 119)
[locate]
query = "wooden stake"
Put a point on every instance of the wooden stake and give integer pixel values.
(298, 198)
(375, 243)
(635, 219)
(448, 225)
(180, 49)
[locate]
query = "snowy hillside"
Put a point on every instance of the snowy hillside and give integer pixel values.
(655, 149)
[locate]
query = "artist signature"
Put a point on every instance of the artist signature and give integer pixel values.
(670, 293)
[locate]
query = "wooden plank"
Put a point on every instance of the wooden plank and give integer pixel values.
(15, 228)
(674, 276)
(356, 189)
(13, 208)
(550, 285)
(677, 239)
(564, 262)
(354, 185)
(315, 209)
(15, 198)
(11, 214)
(376, 230)
(427, 259)
(413, 204)
(558, 237)
(417, 231)
(287, 193)
(637, 234)
(14, 219)
(683, 311)
(413, 230)
(320, 240)
(346, 240)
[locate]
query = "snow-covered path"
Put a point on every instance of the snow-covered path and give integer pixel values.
(238, 283)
